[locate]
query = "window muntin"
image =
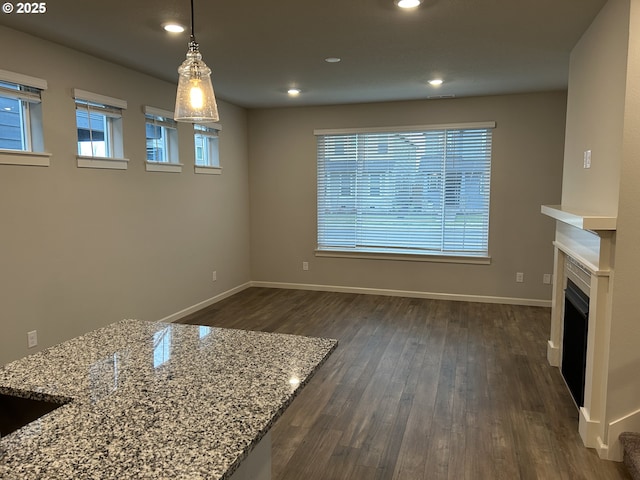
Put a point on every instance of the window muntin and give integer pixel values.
(206, 146)
(20, 118)
(423, 191)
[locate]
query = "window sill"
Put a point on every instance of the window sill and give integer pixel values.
(165, 167)
(205, 170)
(103, 163)
(408, 257)
(19, 157)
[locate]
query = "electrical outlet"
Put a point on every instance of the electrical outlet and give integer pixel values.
(32, 338)
(546, 278)
(520, 277)
(214, 276)
(305, 266)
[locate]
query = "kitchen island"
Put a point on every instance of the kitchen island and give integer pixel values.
(150, 400)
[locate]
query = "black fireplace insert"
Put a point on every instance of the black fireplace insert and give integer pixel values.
(574, 341)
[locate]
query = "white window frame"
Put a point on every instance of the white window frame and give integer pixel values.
(111, 109)
(360, 234)
(210, 134)
(169, 127)
(28, 92)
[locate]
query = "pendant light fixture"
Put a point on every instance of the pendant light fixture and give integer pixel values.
(195, 100)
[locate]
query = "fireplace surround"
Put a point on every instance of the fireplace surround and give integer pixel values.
(584, 247)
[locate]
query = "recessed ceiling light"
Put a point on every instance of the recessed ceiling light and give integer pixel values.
(294, 92)
(408, 3)
(173, 28)
(332, 59)
(436, 82)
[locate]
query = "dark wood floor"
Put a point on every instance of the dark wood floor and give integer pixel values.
(419, 389)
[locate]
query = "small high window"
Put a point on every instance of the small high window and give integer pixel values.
(207, 148)
(162, 140)
(99, 127)
(21, 136)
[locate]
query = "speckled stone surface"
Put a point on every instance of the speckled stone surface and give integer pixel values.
(154, 401)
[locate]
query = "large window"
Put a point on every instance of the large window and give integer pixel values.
(21, 114)
(206, 145)
(420, 190)
(99, 127)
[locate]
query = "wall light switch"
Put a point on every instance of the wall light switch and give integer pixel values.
(32, 338)
(587, 159)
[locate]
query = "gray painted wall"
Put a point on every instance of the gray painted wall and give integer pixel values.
(595, 115)
(625, 331)
(82, 248)
(528, 146)
(604, 115)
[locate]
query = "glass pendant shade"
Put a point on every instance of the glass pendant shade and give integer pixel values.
(195, 100)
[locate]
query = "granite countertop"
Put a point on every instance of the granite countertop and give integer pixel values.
(154, 400)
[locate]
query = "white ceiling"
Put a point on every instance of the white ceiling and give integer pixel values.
(259, 48)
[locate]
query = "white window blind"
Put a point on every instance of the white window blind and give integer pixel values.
(422, 190)
(20, 79)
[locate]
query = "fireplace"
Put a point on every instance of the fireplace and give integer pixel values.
(574, 340)
(581, 317)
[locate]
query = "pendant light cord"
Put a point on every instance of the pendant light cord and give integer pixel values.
(193, 35)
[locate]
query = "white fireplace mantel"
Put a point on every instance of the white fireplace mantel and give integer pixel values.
(580, 218)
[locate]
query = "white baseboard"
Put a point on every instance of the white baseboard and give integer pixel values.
(603, 450)
(199, 306)
(365, 291)
(591, 436)
(589, 429)
(628, 423)
(553, 354)
(406, 293)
